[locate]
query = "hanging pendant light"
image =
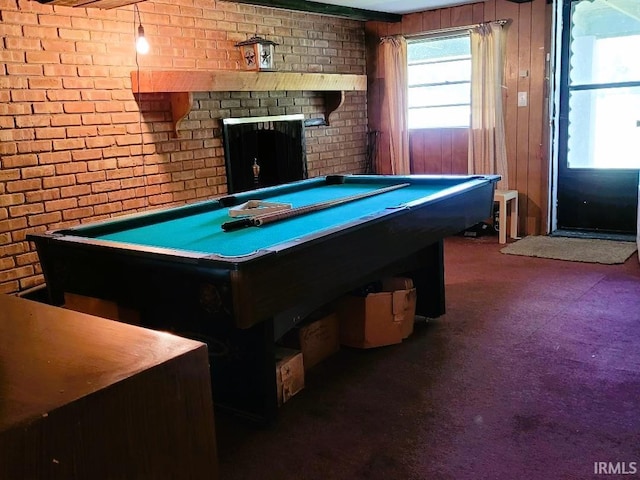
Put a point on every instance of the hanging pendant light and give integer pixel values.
(142, 44)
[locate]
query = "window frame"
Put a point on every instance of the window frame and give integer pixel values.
(462, 33)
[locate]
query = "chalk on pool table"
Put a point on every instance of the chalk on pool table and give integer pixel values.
(257, 207)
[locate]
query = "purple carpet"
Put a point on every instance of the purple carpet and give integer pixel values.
(533, 373)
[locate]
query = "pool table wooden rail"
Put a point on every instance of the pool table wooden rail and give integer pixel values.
(240, 306)
(262, 285)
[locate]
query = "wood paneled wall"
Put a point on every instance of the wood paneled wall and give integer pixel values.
(439, 150)
(445, 150)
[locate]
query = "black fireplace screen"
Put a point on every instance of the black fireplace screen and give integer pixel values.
(264, 151)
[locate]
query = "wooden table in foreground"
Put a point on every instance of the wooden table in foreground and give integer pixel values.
(83, 397)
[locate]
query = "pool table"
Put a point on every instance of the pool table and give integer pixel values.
(241, 290)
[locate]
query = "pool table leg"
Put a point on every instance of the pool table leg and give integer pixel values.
(428, 280)
(242, 361)
(243, 370)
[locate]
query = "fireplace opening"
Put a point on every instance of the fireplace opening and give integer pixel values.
(264, 151)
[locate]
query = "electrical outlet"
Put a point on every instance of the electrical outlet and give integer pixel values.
(522, 99)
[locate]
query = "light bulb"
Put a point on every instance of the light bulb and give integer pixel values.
(142, 45)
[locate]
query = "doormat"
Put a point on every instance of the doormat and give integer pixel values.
(572, 249)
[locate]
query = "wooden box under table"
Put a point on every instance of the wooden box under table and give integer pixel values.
(84, 397)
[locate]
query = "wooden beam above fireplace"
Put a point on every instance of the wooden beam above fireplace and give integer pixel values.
(241, 81)
(180, 84)
(327, 9)
(297, 5)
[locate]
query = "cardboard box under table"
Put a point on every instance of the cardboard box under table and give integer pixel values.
(378, 319)
(317, 339)
(289, 373)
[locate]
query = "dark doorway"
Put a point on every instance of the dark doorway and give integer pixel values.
(599, 143)
(264, 151)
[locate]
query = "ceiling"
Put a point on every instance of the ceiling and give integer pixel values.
(378, 10)
(397, 6)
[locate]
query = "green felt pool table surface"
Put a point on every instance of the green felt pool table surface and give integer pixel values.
(201, 231)
(241, 290)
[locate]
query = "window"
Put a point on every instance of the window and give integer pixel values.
(439, 81)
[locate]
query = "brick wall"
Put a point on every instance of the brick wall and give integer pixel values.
(77, 146)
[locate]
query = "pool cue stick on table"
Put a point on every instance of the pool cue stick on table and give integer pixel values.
(260, 220)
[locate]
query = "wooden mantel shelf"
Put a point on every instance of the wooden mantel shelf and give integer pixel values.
(242, 81)
(181, 84)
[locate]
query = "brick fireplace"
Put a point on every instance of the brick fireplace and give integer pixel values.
(264, 151)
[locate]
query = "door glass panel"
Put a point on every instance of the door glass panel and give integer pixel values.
(605, 40)
(604, 85)
(603, 132)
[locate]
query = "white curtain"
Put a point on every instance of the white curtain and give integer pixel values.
(394, 106)
(487, 144)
